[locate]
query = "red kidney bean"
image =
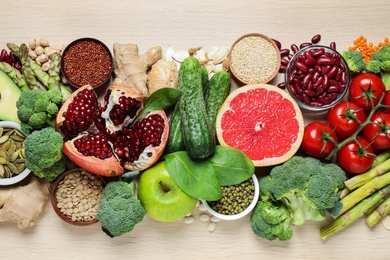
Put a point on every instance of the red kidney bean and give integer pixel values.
(301, 66)
(282, 68)
(282, 85)
(284, 52)
(325, 61)
(343, 79)
(305, 44)
(318, 52)
(284, 61)
(306, 79)
(3, 54)
(316, 39)
(292, 89)
(332, 72)
(333, 45)
(294, 48)
(316, 104)
(290, 56)
(325, 69)
(309, 92)
(333, 88)
(278, 44)
(306, 98)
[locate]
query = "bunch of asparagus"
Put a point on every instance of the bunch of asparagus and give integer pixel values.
(366, 194)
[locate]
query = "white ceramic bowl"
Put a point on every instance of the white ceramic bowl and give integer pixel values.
(241, 214)
(26, 172)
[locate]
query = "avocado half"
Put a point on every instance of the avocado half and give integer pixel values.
(9, 94)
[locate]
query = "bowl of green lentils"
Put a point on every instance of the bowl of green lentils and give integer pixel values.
(237, 200)
(75, 196)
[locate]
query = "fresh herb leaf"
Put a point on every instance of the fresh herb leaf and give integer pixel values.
(129, 176)
(231, 165)
(161, 99)
(196, 178)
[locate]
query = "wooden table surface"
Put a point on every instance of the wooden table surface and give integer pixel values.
(183, 24)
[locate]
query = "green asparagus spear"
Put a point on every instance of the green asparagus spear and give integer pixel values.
(355, 212)
(379, 213)
(15, 75)
(364, 191)
(361, 179)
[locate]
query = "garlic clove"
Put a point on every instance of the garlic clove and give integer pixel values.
(218, 55)
(169, 53)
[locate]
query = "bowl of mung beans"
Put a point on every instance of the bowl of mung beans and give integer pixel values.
(237, 200)
(86, 61)
(254, 58)
(75, 196)
(12, 157)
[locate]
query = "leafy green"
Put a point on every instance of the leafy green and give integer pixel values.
(231, 165)
(196, 178)
(161, 99)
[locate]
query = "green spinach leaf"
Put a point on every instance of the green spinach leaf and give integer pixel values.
(196, 178)
(231, 165)
(161, 99)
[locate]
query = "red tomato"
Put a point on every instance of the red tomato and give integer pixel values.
(346, 117)
(386, 101)
(316, 139)
(354, 158)
(378, 133)
(366, 85)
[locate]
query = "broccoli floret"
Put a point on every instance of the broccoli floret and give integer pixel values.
(119, 210)
(354, 60)
(380, 64)
(307, 187)
(271, 221)
(43, 150)
(374, 66)
(38, 108)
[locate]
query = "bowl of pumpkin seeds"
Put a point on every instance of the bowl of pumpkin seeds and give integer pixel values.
(12, 158)
(237, 200)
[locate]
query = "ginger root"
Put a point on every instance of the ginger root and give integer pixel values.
(163, 74)
(131, 68)
(23, 204)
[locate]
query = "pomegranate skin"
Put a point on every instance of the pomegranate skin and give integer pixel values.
(108, 167)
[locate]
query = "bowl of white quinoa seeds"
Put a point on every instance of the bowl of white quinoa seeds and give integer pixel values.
(254, 58)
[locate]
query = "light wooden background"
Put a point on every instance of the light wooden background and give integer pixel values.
(183, 24)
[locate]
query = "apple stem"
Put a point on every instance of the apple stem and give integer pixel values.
(165, 188)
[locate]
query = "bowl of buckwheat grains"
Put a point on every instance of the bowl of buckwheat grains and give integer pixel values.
(254, 58)
(237, 200)
(75, 196)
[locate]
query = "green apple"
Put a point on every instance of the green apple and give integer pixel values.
(161, 197)
(9, 95)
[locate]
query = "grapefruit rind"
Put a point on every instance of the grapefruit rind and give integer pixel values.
(275, 128)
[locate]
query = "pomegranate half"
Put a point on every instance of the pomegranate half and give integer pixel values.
(103, 138)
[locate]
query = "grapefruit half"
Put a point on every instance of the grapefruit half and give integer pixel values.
(263, 121)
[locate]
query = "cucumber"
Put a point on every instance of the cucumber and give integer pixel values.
(175, 139)
(197, 133)
(217, 92)
(205, 80)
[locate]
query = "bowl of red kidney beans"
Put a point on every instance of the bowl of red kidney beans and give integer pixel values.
(317, 77)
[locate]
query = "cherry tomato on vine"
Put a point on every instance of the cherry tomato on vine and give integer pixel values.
(316, 139)
(366, 86)
(346, 117)
(386, 101)
(378, 132)
(355, 158)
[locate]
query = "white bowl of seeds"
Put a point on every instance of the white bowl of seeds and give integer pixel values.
(237, 200)
(254, 58)
(12, 158)
(75, 196)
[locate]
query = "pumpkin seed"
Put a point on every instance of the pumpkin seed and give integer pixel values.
(3, 160)
(2, 153)
(17, 138)
(3, 139)
(11, 149)
(7, 172)
(20, 167)
(6, 144)
(14, 156)
(13, 168)
(19, 133)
